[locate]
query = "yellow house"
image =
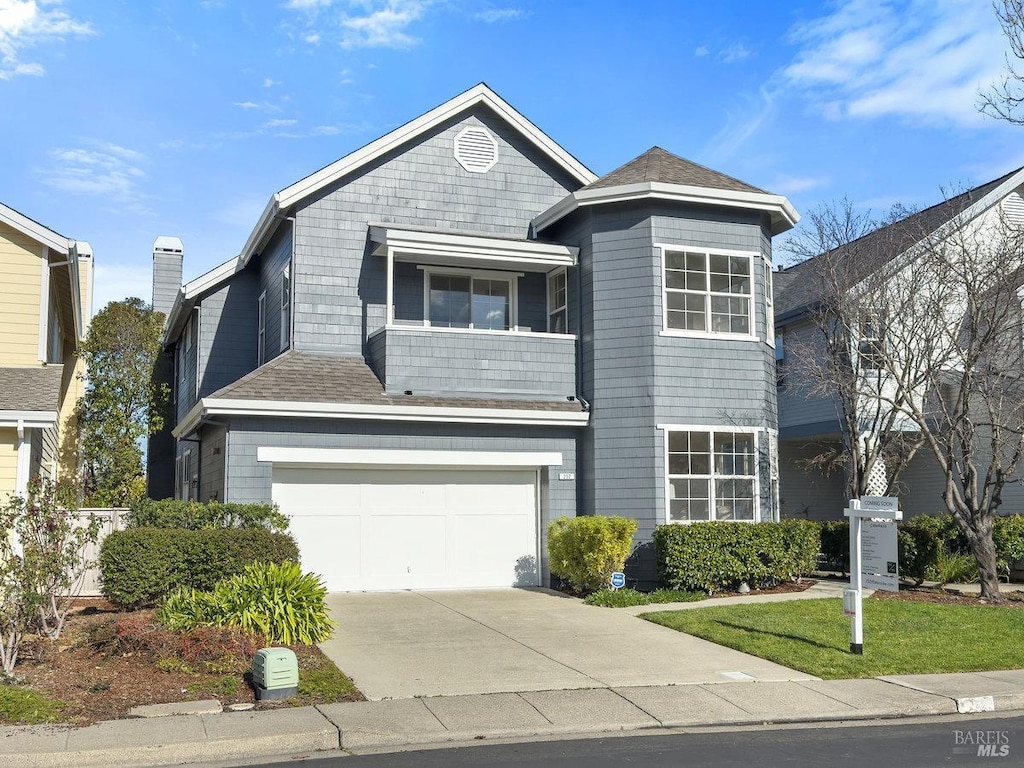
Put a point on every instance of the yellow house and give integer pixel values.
(45, 306)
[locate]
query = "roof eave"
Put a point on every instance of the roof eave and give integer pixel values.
(783, 215)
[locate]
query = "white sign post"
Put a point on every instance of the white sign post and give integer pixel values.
(873, 558)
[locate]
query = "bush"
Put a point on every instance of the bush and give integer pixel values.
(139, 566)
(716, 556)
(586, 551)
(622, 598)
(277, 600)
(835, 545)
(194, 515)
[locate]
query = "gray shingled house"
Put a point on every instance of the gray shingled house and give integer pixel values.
(432, 347)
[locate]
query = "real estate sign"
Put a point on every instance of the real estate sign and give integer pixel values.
(879, 563)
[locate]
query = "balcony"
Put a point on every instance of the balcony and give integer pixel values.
(474, 363)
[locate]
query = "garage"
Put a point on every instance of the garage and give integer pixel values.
(377, 528)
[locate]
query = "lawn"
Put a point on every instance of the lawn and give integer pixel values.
(900, 637)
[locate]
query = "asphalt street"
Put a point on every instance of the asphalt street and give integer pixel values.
(950, 742)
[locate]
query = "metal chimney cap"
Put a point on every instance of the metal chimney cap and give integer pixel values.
(167, 244)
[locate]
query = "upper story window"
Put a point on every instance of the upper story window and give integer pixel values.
(707, 292)
(769, 303)
(482, 300)
(187, 362)
(261, 325)
(286, 306)
(712, 475)
(558, 316)
(871, 342)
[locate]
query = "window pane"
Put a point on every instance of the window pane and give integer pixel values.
(559, 322)
(734, 453)
(729, 315)
(490, 304)
(449, 301)
(556, 290)
(675, 260)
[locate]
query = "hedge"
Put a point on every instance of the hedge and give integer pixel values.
(920, 540)
(195, 515)
(140, 566)
(587, 550)
(716, 556)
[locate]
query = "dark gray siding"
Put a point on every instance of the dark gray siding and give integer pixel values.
(273, 260)
(166, 280)
(227, 335)
(187, 357)
(340, 288)
(801, 413)
(438, 362)
(212, 452)
(808, 493)
(250, 480)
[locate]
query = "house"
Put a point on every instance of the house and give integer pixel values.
(810, 425)
(432, 347)
(45, 306)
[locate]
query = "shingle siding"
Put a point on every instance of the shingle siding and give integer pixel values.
(340, 288)
(228, 333)
(275, 257)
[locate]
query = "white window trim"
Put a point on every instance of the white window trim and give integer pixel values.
(261, 329)
(756, 431)
(769, 302)
(512, 278)
(285, 333)
(707, 334)
(547, 296)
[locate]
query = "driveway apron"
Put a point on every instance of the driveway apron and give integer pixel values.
(448, 643)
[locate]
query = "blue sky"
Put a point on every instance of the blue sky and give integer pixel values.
(124, 120)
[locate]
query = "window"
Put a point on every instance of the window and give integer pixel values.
(712, 475)
(870, 345)
(708, 292)
(187, 363)
(558, 316)
(769, 303)
(286, 306)
(261, 324)
(469, 301)
(185, 476)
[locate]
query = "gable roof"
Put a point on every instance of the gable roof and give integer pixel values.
(656, 164)
(35, 230)
(479, 94)
(658, 174)
(798, 287)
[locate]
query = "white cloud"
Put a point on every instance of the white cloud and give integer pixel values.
(247, 105)
(702, 50)
(496, 15)
(923, 59)
(268, 83)
(101, 169)
(361, 23)
(279, 123)
(735, 52)
(25, 24)
(791, 185)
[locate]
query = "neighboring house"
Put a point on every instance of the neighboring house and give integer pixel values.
(432, 347)
(45, 306)
(810, 426)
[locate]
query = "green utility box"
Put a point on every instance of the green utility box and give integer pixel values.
(275, 674)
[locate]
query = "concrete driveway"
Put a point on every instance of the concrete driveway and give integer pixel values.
(447, 643)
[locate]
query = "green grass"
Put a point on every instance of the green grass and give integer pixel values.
(900, 637)
(622, 598)
(320, 681)
(228, 685)
(21, 706)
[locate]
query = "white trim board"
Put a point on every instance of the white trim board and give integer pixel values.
(783, 214)
(406, 458)
(34, 229)
(207, 407)
(30, 419)
(408, 244)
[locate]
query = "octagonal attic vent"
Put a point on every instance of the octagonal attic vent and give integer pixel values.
(475, 149)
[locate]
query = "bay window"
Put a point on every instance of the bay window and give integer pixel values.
(707, 292)
(712, 475)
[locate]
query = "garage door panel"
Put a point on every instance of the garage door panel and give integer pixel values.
(413, 528)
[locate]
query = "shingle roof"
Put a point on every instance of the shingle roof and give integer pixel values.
(309, 378)
(799, 286)
(658, 165)
(30, 389)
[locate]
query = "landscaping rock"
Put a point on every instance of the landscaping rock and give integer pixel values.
(204, 707)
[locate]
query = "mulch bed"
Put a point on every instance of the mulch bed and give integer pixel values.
(95, 686)
(1013, 599)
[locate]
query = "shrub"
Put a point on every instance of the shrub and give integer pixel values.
(1008, 537)
(277, 600)
(952, 568)
(194, 515)
(621, 598)
(586, 551)
(720, 555)
(835, 545)
(139, 566)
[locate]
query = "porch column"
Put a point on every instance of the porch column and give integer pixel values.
(390, 314)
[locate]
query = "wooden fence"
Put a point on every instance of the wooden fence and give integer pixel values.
(110, 520)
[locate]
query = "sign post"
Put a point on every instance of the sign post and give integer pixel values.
(873, 559)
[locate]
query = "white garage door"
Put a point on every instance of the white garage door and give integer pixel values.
(413, 529)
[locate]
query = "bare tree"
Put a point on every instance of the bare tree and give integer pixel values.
(1003, 100)
(838, 358)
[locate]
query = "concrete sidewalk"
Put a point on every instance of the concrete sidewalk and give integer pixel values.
(447, 720)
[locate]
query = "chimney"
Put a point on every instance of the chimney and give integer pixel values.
(167, 258)
(85, 282)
